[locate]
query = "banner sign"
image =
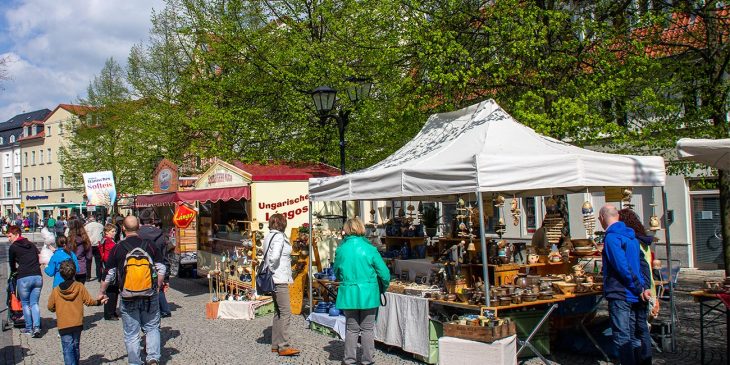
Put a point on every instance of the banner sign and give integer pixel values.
(100, 188)
(184, 215)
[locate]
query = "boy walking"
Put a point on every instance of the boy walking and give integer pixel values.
(67, 300)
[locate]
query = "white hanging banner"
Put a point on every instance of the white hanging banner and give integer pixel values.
(100, 188)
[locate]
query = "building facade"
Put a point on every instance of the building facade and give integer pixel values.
(44, 190)
(10, 160)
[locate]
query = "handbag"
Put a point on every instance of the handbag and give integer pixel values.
(264, 276)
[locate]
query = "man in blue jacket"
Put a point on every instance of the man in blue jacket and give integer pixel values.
(624, 285)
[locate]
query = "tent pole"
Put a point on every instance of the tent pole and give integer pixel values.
(483, 241)
(669, 271)
(309, 258)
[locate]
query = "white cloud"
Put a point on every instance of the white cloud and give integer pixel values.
(58, 46)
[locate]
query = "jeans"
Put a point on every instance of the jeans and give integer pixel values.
(282, 318)
(643, 351)
(360, 323)
(70, 347)
(141, 315)
(29, 291)
(630, 331)
(164, 305)
(97, 261)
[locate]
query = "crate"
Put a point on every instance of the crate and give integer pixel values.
(479, 333)
(265, 309)
(323, 329)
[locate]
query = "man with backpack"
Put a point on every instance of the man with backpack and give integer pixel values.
(136, 268)
(151, 232)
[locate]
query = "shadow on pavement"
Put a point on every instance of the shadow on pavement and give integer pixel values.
(100, 359)
(7, 355)
(190, 287)
(265, 336)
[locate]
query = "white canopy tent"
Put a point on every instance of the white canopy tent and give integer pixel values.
(482, 149)
(712, 152)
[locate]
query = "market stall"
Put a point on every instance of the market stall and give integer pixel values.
(478, 155)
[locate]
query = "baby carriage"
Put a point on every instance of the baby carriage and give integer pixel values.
(14, 308)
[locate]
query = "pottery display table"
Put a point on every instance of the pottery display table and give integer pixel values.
(712, 309)
(457, 351)
(336, 323)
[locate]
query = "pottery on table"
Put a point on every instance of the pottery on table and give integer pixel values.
(566, 288)
(521, 281)
(533, 258)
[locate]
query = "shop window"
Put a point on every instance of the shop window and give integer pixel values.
(530, 206)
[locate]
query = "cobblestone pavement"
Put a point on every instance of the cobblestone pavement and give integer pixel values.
(188, 338)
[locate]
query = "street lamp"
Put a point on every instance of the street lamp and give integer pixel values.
(324, 98)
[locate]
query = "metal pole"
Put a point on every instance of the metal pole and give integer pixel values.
(483, 240)
(669, 271)
(343, 119)
(309, 259)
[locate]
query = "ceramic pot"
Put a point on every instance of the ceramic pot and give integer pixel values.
(533, 258)
(521, 281)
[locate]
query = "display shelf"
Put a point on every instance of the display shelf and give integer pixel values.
(468, 306)
(556, 298)
(404, 238)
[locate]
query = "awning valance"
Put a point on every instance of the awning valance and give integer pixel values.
(192, 196)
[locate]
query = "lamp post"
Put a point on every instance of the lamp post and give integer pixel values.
(324, 98)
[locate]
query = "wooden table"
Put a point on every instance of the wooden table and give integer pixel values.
(714, 305)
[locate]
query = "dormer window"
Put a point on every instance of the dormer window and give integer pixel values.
(26, 131)
(2, 140)
(12, 139)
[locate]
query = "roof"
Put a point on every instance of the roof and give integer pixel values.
(18, 120)
(74, 109)
(14, 125)
(481, 148)
(41, 134)
(287, 171)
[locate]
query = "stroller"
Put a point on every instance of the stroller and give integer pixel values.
(14, 308)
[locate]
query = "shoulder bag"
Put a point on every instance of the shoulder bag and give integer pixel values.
(264, 276)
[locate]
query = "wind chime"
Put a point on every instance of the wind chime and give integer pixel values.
(515, 210)
(654, 224)
(553, 221)
(626, 198)
(589, 220)
(501, 226)
(461, 215)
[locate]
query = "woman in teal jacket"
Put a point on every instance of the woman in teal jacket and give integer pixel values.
(363, 276)
(61, 254)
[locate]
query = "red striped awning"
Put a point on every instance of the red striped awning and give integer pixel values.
(192, 196)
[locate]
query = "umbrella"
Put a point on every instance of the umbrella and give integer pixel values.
(713, 152)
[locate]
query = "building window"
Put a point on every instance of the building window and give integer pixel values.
(17, 158)
(7, 160)
(49, 155)
(43, 183)
(26, 184)
(35, 186)
(32, 157)
(530, 214)
(26, 131)
(2, 140)
(50, 186)
(12, 139)
(25, 158)
(41, 158)
(48, 131)
(8, 187)
(17, 186)
(60, 127)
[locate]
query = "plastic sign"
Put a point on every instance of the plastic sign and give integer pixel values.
(184, 215)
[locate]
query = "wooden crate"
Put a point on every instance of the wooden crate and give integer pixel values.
(479, 333)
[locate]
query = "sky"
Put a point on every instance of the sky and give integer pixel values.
(56, 47)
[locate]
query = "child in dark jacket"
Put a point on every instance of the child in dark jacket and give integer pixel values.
(67, 300)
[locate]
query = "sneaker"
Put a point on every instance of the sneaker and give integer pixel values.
(288, 352)
(165, 315)
(26, 331)
(37, 333)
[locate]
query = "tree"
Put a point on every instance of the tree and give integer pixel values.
(111, 136)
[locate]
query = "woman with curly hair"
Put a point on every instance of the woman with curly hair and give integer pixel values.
(80, 244)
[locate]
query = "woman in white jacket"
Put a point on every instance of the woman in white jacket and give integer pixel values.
(278, 260)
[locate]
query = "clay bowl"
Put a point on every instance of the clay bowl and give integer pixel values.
(566, 288)
(517, 299)
(451, 297)
(505, 301)
(529, 297)
(579, 279)
(582, 242)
